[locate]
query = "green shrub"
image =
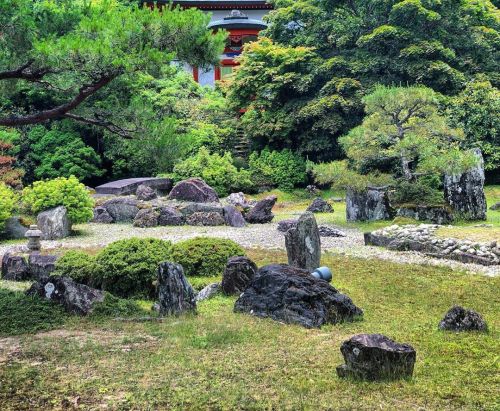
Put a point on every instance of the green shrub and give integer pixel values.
(67, 192)
(420, 192)
(203, 256)
(281, 169)
(7, 203)
(77, 265)
(128, 268)
(113, 306)
(217, 171)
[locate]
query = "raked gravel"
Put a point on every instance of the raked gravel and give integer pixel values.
(264, 236)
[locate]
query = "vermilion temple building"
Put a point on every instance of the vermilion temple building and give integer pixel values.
(241, 18)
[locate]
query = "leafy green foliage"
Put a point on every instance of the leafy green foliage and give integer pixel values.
(61, 153)
(113, 306)
(67, 192)
(417, 192)
(129, 267)
(77, 265)
(281, 169)
(7, 203)
(217, 171)
(203, 256)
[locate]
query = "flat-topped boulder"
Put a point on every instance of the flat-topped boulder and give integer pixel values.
(195, 190)
(129, 186)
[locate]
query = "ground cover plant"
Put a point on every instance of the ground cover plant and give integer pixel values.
(222, 360)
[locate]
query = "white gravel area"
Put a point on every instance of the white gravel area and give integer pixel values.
(253, 236)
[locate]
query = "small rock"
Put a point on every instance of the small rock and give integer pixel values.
(145, 193)
(233, 217)
(169, 216)
(15, 268)
(208, 292)
(320, 206)
(325, 231)
(41, 266)
(285, 225)
(146, 217)
(102, 216)
(238, 275)
(462, 319)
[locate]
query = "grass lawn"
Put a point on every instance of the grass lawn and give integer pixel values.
(222, 361)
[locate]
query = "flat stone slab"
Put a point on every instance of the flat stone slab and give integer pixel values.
(129, 185)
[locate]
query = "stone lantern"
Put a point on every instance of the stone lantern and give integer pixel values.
(34, 235)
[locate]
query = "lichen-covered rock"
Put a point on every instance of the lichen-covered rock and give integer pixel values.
(233, 217)
(238, 200)
(205, 219)
(292, 295)
(102, 216)
(374, 357)
(193, 189)
(41, 265)
(325, 231)
(462, 319)
(14, 229)
(170, 216)
(208, 292)
(303, 243)
(145, 193)
(369, 205)
(188, 209)
(122, 209)
(15, 267)
(465, 192)
(261, 212)
(320, 206)
(75, 298)
(147, 217)
(54, 223)
(434, 214)
(285, 225)
(175, 294)
(238, 274)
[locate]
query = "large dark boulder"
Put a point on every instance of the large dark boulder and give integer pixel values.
(261, 212)
(205, 219)
(233, 217)
(102, 216)
(41, 265)
(434, 214)
(75, 298)
(15, 267)
(145, 193)
(193, 189)
(375, 357)
(146, 217)
(462, 319)
(238, 274)
(292, 295)
(465, 192)
(369, 205)
(54, 223)
(320, 206)
(175, 294)
(14, 229)
(303, 244)
(170, 216)
(122, 209)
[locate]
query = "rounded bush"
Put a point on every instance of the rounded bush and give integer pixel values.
(128, 268)
(67, 192)
(203, 256)
(7, 204)
(77, 265)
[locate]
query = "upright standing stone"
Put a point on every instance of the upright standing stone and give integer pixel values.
(233, 217)
(371, 204)
(174, 291)
(54, 223)
(465, 192)
(303, 243)
(238, 275)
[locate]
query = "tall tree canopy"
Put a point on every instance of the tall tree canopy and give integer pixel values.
(58, 56)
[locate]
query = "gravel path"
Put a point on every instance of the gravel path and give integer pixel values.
(253, 236)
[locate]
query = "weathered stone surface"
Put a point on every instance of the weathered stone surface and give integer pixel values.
(54, 223)
(495, 207)
(75, 298)
(434, 214)
(122, 209)
(193, 189)
(462, 319)
(293, 296)
(320, 206)
(146, 217)
(129, 185)
(261, 213)
(325, 231)
(15, 268)
(233, 217)
(303, 244)
(170, 216)
(40, 265)
(205, 219)
(238, 275)
(102, 216)
(465, 192)
(370, 205)
(13, 229)
(375, 357)
(191, 208)
(285, 225)
(175, 294)
(145, 193)
(238, 200)
(208, 292)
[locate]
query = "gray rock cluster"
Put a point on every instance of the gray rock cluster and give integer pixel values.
(422, 238)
